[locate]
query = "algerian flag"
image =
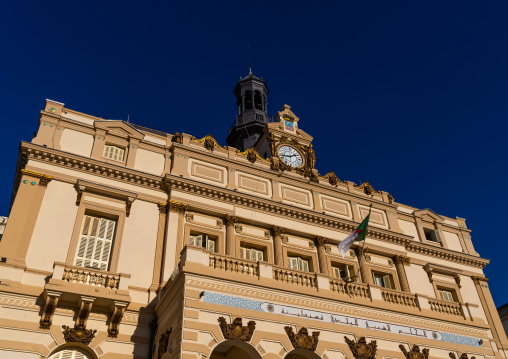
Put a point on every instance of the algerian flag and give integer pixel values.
(357, 236)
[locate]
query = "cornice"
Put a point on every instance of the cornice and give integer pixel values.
(291, 179)
(267, 205)
(447, 254)
(90, 165)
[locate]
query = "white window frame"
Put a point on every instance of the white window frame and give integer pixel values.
(348, 268)
(298, 263)
(95, 243)
(204, 241)
(445, 293)
(113, 152)
(252, 254)
(382, 279)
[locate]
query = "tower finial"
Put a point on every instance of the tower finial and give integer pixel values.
(250, 69)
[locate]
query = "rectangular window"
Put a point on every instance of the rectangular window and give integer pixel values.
(96, 241)
(343, 271)
(446, 295)
(113, 152)
(202, 240)
(432, 235)
(298, 263)
(382, 280)
(251, 253)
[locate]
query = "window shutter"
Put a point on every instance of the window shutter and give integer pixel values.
(386, 281)
(260, 256)
(336, 272)
(304, 265)
(210, 245)
(293, 262)
(437, 236)
(94, 248)
(242, 250)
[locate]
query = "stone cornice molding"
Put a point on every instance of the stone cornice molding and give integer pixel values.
(83, 186)
(447, 254)
(89, 165)
(267, 205)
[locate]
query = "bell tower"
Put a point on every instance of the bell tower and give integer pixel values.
(251, 92)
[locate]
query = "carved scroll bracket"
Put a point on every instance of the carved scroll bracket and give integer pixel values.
(85, 307)
(118, 309)
(235, 330)
(50, 302)
(302, 339)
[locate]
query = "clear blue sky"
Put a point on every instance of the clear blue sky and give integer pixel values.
(409, 96)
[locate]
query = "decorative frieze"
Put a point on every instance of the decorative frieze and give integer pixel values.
(236, 330)
(163, 342)
(302, 339)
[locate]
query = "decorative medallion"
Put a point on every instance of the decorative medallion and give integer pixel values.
(302, 340)
(390, 262)
(268, 234)
(220, 223)
(163, 343)
(367, 258)
(78, 334)
(312, 245)
(362, 350)
(284, 238)
(352, 253)
(328, 249)
(189, 216)
(415, 352)
(238, 228)
(236, 331)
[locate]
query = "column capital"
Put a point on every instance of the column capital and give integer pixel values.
(229, 219)
(320, 241)
(477, 279)
(163, 207)
(401, 259)
(277, 230)
(176, 206)
(43, 179)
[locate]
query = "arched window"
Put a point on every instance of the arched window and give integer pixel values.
(258, 103)
(248, 100)
(71, 353)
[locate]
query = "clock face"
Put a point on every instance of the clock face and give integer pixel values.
(290, 156)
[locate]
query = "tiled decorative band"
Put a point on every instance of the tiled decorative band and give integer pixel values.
(260, 306)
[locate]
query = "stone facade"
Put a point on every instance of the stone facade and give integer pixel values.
(124, 242)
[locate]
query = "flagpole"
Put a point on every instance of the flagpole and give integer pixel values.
(360, 260)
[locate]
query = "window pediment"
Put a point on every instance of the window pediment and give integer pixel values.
(119, 128)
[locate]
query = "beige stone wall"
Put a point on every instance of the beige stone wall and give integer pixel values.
(76, 142)
(53, 229)
(150, 162)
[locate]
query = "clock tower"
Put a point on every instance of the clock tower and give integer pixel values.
(251, 92)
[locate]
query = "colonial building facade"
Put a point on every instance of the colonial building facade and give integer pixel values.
(125, 242)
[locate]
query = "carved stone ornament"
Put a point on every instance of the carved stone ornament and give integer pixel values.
(43, 179)
(362, 350)
(163, 343)
(277, 230)
(49, 310)
(320, 241)
(78, 334)
(302, 340)
(311, 157)
(116, 318)
(462, 356)
(177, 138)
(163, 207)
(332, 178)
(229, 219)
(390, 198)
(209, 142)
(367, 188)
(415, 352)
(176, 206)
(236, 331)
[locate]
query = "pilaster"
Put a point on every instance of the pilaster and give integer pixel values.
(277, 245)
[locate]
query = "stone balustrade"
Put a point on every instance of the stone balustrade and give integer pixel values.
(292, 276)
(347, 288)
(234, 265)
(446, 307)
(399, 298)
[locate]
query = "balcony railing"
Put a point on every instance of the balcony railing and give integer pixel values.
(292, 276)
(447, 307)
(91, 277)
(228, 264)
(347, 288)
(399, 298)
(327, 287)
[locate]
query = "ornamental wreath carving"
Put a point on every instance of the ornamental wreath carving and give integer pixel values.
(415, 352)
(236, 331)
(462, 356)
(78, 334)
(362, 350)
(302, 340)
